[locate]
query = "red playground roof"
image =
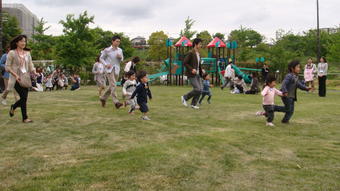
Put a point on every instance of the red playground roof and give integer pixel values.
(184, 41)
(216, 42)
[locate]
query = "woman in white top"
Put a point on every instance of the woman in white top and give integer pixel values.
(309, 73)
(99, 76)
(322, 76)
(19, 58)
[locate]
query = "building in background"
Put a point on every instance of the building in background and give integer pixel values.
(27, 20)
(139, 42)
(331, 30)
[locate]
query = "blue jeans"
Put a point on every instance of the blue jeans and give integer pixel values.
(289, 108)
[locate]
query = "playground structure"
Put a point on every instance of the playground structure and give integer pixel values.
(220, 55)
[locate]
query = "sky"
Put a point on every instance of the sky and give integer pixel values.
(142, 17)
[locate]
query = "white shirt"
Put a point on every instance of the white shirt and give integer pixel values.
(98, 68)
(128, 66)
(322, 69)
(198, 61)
(109, 58)
(228, 71)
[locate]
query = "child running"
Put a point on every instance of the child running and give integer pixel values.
(268, 93)
(289, 86)
(206, 88)
(142, 92)
(128, 88)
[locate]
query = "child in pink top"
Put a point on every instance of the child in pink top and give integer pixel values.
(269, 106)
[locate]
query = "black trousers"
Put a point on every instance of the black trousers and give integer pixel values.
(22, 102)
(322, 86)
(205, 94)
(270, 109)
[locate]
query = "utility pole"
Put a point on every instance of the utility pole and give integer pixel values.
(318, 32)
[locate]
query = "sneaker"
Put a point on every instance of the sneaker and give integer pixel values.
(270, 124)
(146, 118)
(184, 102)
(195, 107)
(118, 105)
(3, 101)
(260, 113)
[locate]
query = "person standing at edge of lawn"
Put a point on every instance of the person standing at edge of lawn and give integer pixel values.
(322, 76)
(194, 71)
(111, 58)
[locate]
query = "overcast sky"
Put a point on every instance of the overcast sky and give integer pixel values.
(141, 17)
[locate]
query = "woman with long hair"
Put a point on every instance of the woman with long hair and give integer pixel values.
(19, 61)
(322, 76)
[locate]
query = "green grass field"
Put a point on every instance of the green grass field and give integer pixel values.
(74, 144)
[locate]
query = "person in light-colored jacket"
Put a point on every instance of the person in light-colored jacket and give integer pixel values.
(19, 58)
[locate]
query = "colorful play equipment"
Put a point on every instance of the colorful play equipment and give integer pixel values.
(220, 54)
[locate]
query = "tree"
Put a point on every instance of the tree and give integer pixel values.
(75, 48)
(334, 48)
(10, 29)
(246, 37)
(157, 42)
(247, 40)
(187, 32)
(219, 35)
(205, 36)
(43, 46)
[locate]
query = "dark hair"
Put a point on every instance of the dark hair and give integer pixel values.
(205, 75)
(269, 80)
(98, 58)
(130, 73)
(292, 65)
(135, 59)
(324, 58)
(240, 77)
(196, 42)
(15, 40)
(141, 74)
(115, 38)
(254, 74)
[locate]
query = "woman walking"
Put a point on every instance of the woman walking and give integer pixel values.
(322, 76)
(19, 64)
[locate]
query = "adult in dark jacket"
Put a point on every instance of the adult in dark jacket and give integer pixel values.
(194, 72)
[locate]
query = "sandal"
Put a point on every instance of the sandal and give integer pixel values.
(11, 111)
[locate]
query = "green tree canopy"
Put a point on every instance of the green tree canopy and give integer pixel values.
(75, 48)
(10, 29)
(205, 36)
(157, 42)
(187, 32)
(43, 46)
(219, 35)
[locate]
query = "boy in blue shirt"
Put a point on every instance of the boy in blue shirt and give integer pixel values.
(206, 88)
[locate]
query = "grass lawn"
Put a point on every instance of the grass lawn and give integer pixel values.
(74, 144)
